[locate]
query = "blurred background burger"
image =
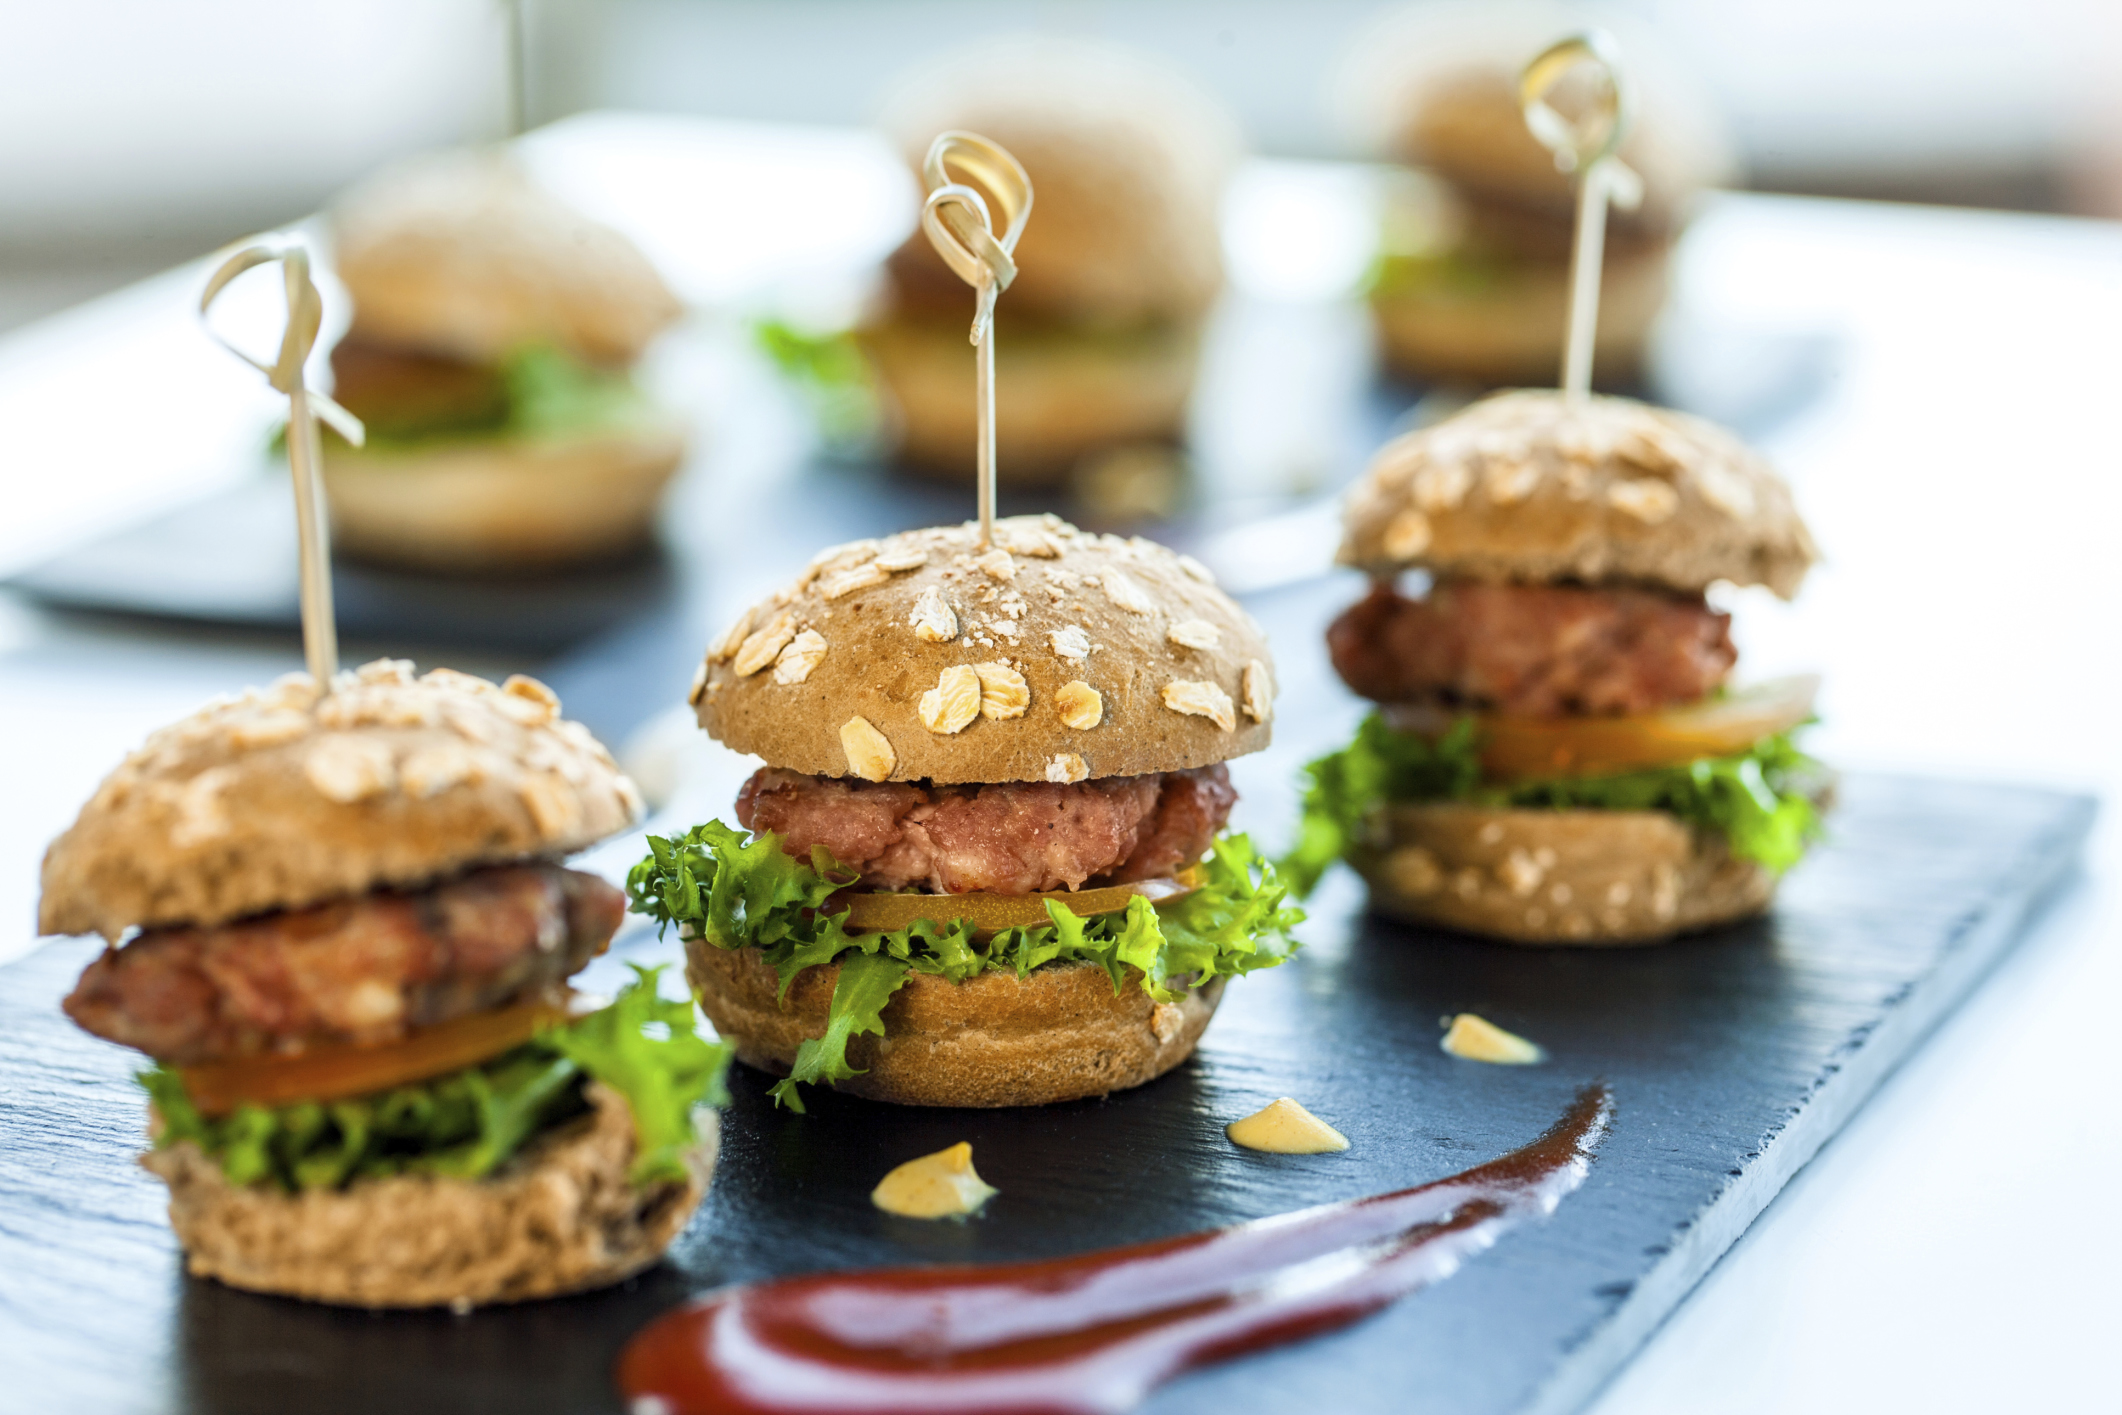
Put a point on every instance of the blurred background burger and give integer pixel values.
(1558, 755)
(1100, 334)
(494, 333)
(1471, 284)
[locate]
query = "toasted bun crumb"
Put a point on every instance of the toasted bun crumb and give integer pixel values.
(283, 798)
(1046, 616)
(1059, 1035)
(559, 1217)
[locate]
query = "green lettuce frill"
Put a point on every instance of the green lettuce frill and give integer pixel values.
(1760, 800)
(465, 1124)
(736, 890)
(543, 392)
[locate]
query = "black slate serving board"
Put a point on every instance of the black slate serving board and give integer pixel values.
(230, 559)
(1732, 1057)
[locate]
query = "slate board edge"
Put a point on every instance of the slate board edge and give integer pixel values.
(1585, 1371)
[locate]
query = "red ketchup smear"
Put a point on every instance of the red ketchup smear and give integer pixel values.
(1092, 1334)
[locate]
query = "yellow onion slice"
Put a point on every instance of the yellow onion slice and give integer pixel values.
(884, 913)
(333, 1073)
(1522, 748)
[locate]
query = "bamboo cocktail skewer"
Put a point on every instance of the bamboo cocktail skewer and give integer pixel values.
(1585, 146)
(305, 316)
(962, 229)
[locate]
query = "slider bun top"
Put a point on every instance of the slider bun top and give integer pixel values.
(458, 253)
(1524, 487)
(1437, 87)
(872, 627)
(1127, 161)
(281, 798)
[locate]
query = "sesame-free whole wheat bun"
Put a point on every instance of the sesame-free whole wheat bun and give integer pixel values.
(1053, 655)
(1557, 876)
(460, 254)
(286, 797)
(562, 1216)
(1527, 486)
(1436, 86)
(1058, 1034)
(503, 504)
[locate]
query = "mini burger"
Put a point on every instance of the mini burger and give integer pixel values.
(1557, 756)
(1101, 333)
(339, 925)
(493, 333)
(1472, 279)
(985, 863)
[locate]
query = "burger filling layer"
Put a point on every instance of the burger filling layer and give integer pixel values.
(467, 1123)
(1023, 837)
(1533, 650)
(773, 887)
(408, 397)
(367, 970)
(1560, 697)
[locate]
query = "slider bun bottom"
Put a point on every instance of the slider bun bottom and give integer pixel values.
(1511, 334)
(1058, 1035)
(513, 505)
(560, 1216)
(1558, 877)
(1057, 399)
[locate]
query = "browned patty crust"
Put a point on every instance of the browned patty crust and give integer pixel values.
(1016, 837)
(1533, 650)
(363, 970)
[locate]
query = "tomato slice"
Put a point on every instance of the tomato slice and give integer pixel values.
(1529, 748)
(883, 913)
(1519, 748)
(337, 1072)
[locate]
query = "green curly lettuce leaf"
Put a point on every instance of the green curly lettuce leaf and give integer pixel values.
(1459, 272)
(831, 373)
(736, 890)
(867, 982)
(553, 394)
(466, 1124)
(645, 1047)
(1757, 799)
(542, 392)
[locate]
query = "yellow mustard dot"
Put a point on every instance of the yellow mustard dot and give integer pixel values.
(1478, 1039)
(1285, 1128)
(941, 1185)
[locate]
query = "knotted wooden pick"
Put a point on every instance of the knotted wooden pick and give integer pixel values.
(1585, 146)
(961, 227)
(305, 316)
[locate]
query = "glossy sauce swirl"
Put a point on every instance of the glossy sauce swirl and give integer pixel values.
(1095, 1333)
